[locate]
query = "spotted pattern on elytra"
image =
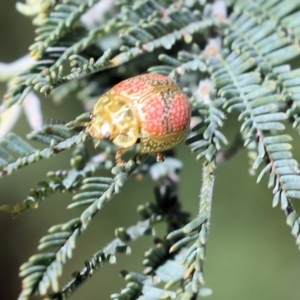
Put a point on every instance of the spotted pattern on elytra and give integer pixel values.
(179, 112)
(152, 112)
(136, 88)
(166, 111)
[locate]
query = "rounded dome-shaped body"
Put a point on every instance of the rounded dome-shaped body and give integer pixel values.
(149, 108)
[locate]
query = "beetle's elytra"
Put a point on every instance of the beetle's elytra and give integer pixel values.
(150, 109)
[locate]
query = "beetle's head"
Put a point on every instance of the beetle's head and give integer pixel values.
(102, 127)
(115, 121)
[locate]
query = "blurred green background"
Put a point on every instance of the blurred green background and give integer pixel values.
(251, 253)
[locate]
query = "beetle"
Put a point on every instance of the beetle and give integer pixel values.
(149, 109)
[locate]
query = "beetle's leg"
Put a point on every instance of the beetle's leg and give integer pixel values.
(118, 157)
(96, 143)
(160, 156)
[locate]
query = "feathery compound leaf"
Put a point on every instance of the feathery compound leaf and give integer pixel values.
(209, 142)
(64, 236)
(59, 182)
(185, 63)
(266, 42)
(29, 154)
(259, 104)
(228, 66)
(58, 23)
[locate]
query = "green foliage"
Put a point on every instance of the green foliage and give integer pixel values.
(226, 64)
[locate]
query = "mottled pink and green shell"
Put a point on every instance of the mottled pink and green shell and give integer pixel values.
(149, 108)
